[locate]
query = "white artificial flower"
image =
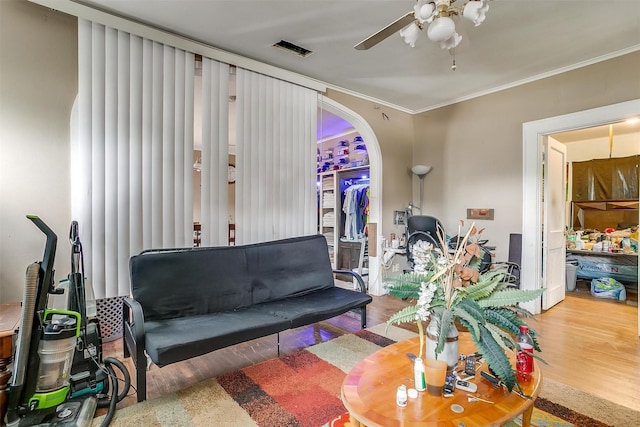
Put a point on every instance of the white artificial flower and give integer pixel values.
(425, 297)
(421, 251)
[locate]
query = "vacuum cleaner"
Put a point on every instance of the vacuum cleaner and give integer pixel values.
(59, 376)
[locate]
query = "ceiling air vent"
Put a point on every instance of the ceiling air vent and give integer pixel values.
(300, 51)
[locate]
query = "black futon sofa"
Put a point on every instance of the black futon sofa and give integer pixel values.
(189, 302)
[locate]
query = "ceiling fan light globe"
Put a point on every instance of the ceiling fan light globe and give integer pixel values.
(424, 11)
(476, 11)
(441, 29)
(452, 42)
(410, 34)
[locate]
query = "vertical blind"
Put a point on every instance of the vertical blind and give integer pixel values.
(275, 163)
(132, 152)
(215, 152)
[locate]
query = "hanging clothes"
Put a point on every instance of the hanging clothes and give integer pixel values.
(356, 201)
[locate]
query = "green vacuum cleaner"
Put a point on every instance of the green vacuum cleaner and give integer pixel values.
(58, 339)
(59, 378)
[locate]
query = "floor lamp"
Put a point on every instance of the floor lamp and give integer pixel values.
(420, 171)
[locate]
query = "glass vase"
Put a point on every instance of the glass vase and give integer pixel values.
(450, 353)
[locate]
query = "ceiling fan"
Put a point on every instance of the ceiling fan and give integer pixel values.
(436, 13)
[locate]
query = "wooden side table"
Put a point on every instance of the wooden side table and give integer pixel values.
(9, 319)
(369, 394)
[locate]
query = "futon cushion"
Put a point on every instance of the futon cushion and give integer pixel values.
(190, 282)
(172, 340)
(289, 267)
(196, 281)
(320, 305)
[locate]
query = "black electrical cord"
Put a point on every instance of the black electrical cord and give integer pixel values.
(109, 362)
(112, 375)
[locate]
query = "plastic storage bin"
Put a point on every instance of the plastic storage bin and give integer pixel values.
(572, 273)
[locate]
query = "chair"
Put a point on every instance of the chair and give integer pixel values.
(422, 227)
(425, 224)
(232, 234)
(511, 267)
(197, 234)
(363, 261)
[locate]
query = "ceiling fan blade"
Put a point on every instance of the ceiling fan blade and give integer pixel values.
(387, 31)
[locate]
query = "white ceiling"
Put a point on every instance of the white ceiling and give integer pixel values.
(597, 132)
(520, 40)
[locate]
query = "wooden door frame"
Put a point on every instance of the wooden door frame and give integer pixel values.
(533, 132)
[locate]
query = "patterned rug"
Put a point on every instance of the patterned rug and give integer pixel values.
(303, 389)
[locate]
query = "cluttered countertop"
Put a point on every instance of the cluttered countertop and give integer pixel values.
(604, 258)
(611, 241)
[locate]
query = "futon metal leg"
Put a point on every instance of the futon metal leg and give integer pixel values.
(142, 384)
(278, 341)
(363, 317)
(141, 378)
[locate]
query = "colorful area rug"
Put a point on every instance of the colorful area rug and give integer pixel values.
(303, 389)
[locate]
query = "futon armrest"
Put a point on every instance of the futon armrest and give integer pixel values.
(358, 278)
(133, 319)
(133, 342)
(133, 315)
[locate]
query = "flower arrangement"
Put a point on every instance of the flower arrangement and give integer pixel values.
(449, 287)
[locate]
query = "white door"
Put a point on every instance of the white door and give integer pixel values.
(553, 237)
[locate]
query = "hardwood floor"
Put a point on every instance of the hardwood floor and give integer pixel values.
(590, 344)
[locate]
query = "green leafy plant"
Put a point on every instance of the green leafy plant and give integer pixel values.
(449, 287)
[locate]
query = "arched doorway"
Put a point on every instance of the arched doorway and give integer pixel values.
(375, 200)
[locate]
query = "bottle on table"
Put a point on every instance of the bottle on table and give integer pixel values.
(401, 395)
(524, 355)
(418, 371)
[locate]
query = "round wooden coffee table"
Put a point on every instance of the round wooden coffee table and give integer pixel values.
(369, 394)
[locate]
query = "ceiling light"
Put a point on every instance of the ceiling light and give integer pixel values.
(442, 28)
(411, 32)
(475, 11)
(451, 42)
(424, 11)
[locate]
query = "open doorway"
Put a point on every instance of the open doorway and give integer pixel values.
(533, 135)
(601, 211)
(375, 184)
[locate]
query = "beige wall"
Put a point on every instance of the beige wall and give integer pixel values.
(38, 84)
(476, 146)
(394, 131)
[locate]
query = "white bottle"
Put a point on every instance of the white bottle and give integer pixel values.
(401, 395)
(579, 241)
(418, 372)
